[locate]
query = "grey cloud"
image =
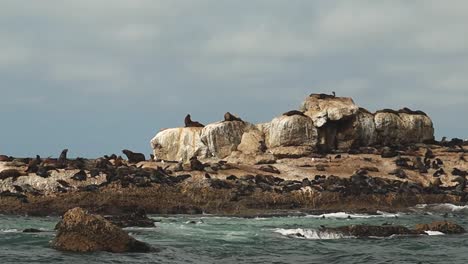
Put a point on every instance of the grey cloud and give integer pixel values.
(97, 76)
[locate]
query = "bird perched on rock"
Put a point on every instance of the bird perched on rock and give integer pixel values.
(189, 123)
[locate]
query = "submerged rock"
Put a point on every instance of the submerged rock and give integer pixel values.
(79, 231)
(445, 227)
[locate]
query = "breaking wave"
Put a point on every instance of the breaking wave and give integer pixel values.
(309, 233)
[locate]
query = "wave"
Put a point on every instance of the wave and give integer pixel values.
(346, 215)
(434, 233)
(444, 207)
(12, 230)
(309, 233)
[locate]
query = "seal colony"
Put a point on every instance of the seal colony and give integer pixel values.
(328, 155)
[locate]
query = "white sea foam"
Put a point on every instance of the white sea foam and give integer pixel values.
(12, 230)
(309, 233)
(346, 215)
(434, 233)
(442, 207)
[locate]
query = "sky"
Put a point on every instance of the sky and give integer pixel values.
(98, 76)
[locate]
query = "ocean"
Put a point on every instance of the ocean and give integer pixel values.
(288, 239)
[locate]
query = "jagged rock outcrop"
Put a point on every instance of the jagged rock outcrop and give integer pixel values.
(79, 231)
(179, 144)
(222, 138)
(325, 123)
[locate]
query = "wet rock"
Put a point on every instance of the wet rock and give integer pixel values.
(31, 230)
(362, 231)
(445, 227)
(138, 218)
(79, 231)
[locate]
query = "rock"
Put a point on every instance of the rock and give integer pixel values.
(31, 230)
(294, 130)
(445, 227)
(179, 144)
(364, 126)
(373, 231)
(252, 142)
(79, 231)
(322, 110)
(402, 128)
(223, 137)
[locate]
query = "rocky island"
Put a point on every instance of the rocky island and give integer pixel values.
(328, 155)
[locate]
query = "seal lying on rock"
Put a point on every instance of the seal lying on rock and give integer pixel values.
(294, 112)
(230, 117)
(189, 123)
(134, 157)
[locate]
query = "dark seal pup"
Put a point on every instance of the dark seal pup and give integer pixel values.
(230, 117)
(189, 123)
(134, 157)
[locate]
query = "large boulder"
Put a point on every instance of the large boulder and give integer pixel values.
(178, 144)
(395, 128)
(293, 130)
(365, 130)
(252, 142)
(79, 231)
(222, 138)
(328, 108)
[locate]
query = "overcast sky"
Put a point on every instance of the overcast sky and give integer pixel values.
(97, 76)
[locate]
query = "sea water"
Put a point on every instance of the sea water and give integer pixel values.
(293, 239)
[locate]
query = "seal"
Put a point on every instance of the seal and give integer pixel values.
(294, 112)
(189, 123)
(134, 157)
(230, 117)
(5, 158)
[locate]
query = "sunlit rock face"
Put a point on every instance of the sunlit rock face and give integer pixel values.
(327, 123)
(395, 128)
(222, 138)
(178, 144)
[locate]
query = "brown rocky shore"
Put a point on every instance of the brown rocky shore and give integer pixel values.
(329, 156)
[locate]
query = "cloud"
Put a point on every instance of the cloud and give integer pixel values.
(123, 60)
